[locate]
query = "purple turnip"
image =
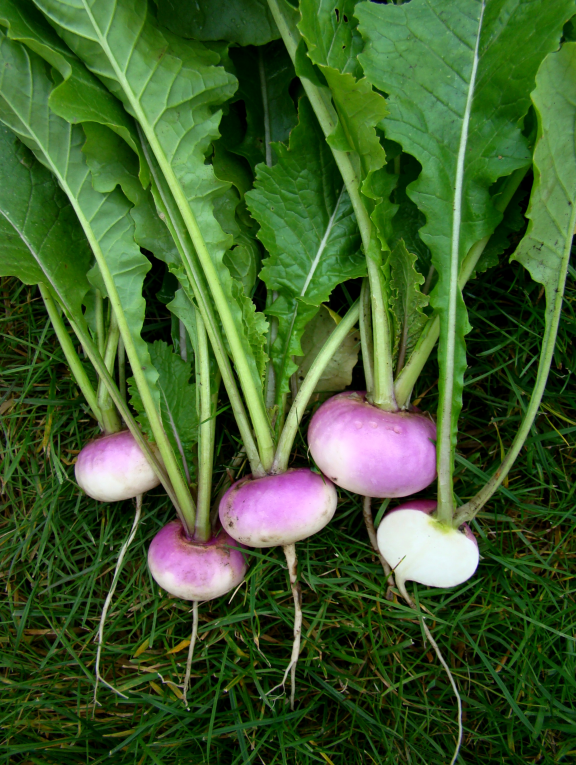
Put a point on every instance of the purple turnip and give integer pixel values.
(193, 570)
(421, 549)
(278, 509)
(113, 467)
(372, 452)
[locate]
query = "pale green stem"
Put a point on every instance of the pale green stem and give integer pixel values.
(207, 432)
(270, 380)
(253, 395)
(185, 501)
(420, 355)
(469, 510)
(100, 331)
(92, 352)
(321, 103)
(383, 391)
(173, 221)
(109, 413)
(366, 336)
(431, 331)
(308, 386)
(122, 369)
(74, 363)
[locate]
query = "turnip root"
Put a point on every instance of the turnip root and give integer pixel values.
(372, 452)
(193, 570)
(278, 509)
(112, 468)
(109, 596)
(420, 549)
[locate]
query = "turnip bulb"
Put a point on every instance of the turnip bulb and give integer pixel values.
(114, 467)
(372, 452)
(420, 549)
(194, 570)
(278, 509)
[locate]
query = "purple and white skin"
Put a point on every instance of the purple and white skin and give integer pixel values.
(113, 467)
(195, 570)
(421, 549)
(275, 510)
(278, 509)
(369, 451)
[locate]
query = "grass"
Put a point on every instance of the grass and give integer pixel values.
(369, 689)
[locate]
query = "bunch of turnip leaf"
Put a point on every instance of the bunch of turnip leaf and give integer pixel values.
(379, 152)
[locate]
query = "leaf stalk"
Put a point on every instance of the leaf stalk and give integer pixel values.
(308, 386)
(383, 384)
(74, 363)
(206, 435)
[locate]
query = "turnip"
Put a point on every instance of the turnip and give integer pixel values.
(372, 452)
(280, 510)
(113, 467)
(422, 549)
(194, 570)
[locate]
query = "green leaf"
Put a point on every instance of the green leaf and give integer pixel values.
(309, 229)
(243, 262)
(407, 302)
(24, 106)
(80, 97)
(177, 401)
(112, 162)
(408, 219)
(246, 22)
(333, 43)
(173, 89)
(338, 373)
(506, 232)
(546, 247)
(264, 76)
(552, 208)
(40, 237)
(331, 35)
(458, 75)
(183, 308)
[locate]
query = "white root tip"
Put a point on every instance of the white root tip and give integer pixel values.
(190, 653)
(100, 634)
(402, 587)
(292, 561)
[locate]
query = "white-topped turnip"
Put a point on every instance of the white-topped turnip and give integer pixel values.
(278, 509)
(195, 570)
(113, 467)
(420, 549)
(372, 452)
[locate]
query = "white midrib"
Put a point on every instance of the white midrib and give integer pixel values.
(314, 264)
(445, 457)
(322, 245)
